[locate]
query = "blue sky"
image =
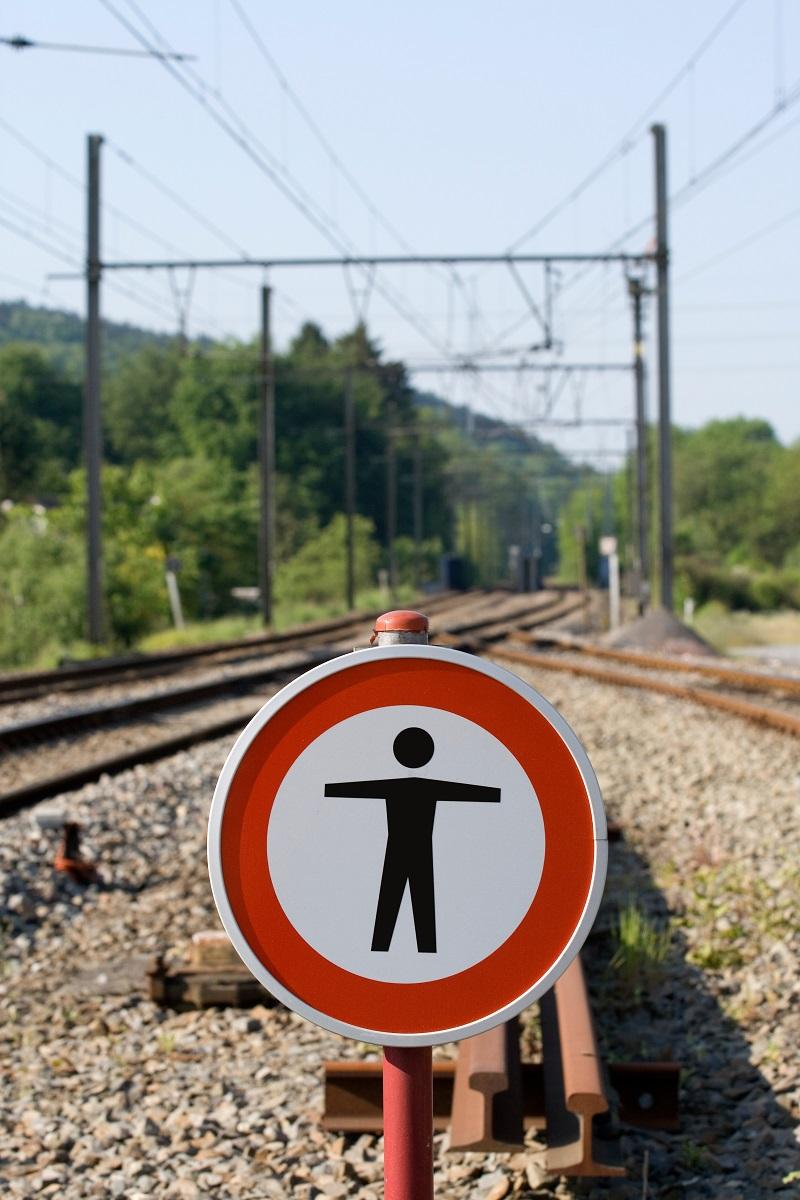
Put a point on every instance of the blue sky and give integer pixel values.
(463, 124)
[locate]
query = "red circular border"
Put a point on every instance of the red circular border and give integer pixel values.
(536, 943)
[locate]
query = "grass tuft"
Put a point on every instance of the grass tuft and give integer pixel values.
(642, 947)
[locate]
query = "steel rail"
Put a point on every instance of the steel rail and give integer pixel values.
(734, 676)
(124, 711)
(574, 1084)
(771, 717)
(487, 1092)
(96, 673)
(119, 711)
(41, 789)
(98, 716)
(58, 725)
(488, 1097)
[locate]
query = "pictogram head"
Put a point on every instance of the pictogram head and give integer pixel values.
(413, 747)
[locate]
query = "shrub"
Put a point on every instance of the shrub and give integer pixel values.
(42, 585)
(317, 572)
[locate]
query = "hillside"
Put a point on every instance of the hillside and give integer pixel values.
(60, 335)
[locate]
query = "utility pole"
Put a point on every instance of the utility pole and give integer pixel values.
(417, 507)
(266, 463)
(391, 494)
(350, 484)
(637, 290)
(664, 400)
(92, 419)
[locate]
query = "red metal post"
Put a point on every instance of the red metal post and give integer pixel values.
(407, 1070)
(407, 1123)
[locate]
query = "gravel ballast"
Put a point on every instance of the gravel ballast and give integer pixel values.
(104, 1094)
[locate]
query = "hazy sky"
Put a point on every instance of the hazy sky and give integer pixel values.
(462, 125)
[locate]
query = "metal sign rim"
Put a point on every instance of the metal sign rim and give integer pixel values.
(343, 663)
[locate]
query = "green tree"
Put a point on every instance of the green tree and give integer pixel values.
(720, 477)
(214, 404)
(137, 405)
(41, 585)
(778, 528)
(317, 571)
(40, 416)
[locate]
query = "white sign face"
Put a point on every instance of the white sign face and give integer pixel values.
(446, 878)
(608, 546)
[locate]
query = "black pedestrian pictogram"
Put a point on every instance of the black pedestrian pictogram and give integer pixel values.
(410, 811)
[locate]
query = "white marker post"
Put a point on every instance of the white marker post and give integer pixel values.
(608, 548)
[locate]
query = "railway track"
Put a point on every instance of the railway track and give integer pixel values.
(573, 656)
(31, 685)
(133, 728)
(112, 736)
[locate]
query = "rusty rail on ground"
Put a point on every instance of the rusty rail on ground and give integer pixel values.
(488, 1098)
(574, 1083)
(487, 1092)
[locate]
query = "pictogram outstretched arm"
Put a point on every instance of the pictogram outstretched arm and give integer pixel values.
(374, 789)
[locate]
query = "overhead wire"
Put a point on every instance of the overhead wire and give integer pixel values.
(35, 240)
(126, 218)
(197, 215)
(72, 179)
(69, 249)
(71, 240)
(23, 210)
(226, 117)
(334, 158)
(17, 282)
(715, 170)
(724, 161)
(634, 133)
(177, 199)
(316, 130)
(63, 173)
(750, 240)
(730, 158)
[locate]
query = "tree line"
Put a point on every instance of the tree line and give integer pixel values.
(736, 523)
(180, 481)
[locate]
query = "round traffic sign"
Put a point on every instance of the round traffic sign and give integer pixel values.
(407, 845)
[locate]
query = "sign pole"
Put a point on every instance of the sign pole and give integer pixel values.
(407, 1070)
(407, 1123)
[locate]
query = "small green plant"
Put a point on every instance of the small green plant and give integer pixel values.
(694, 1156)
(166, 1043)
(642, 946)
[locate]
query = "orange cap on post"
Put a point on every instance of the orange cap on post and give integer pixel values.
(400, 620)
